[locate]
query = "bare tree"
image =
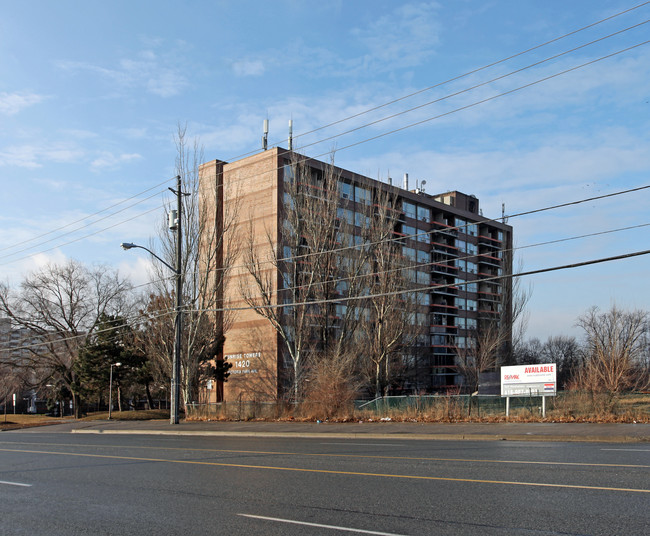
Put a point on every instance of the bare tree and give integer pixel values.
(11, 383)
(61, 307)
(209, 247)
(491, 342)
(297, 267)
(615, 348)
(390, 321)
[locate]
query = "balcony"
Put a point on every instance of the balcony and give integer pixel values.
(441, 228)
(449, 310)
(439, 268)
(489, 297)
(489, 260)
(489, 242)
(441, 329)
(443, 350)
(444, 289)
(445, 249)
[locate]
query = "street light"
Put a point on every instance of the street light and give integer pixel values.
(174, 225)
(128, 245)
(110, 389)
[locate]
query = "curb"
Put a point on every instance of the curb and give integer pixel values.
(400, 436)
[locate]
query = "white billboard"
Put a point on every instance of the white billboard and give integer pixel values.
(529, 380)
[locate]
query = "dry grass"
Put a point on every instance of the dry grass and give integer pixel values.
(141, 415)
(14, 422)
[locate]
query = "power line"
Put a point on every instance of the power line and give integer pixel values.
(89, 216)
(440, 115)
(415, 236)
(417, 265)
(81, 237)
(90, 224)
(491, 98)
(471, 88)
(435, 287)
(338, 300)
(469, 73)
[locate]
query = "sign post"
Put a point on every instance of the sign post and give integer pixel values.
(529, 380)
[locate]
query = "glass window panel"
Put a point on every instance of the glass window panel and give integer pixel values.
(424, 214)
(345, 190)
(409, 209)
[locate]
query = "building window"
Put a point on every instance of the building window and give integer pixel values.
(361, 220)
(409, 209)
(345, 190)
(409, 253)
(346, 215)
(422, 256)
(409, 231)
(438, 340)
(424, 214)
(289, 173)
(362, 195)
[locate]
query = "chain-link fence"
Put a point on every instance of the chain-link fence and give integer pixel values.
(565, 406)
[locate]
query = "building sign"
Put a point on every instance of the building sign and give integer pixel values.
(244, 363)
(529, 380)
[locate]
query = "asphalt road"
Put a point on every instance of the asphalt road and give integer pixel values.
(53, 483)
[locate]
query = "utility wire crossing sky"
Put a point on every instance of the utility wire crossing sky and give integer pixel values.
(524, 104)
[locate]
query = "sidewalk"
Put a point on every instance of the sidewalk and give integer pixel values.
(586, 432)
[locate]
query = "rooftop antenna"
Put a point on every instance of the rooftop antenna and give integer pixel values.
(422, 186)
(265, 137)
(503, 213)
(291, 134)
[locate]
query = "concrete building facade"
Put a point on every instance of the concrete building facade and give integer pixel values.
(458, 260)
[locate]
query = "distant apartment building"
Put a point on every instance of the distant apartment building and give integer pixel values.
(15, 355)
(15, 342)
(456, 257)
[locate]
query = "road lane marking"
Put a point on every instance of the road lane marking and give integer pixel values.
(629, 450)
(364, 444)
(15, 484)
(331, 472)
(330, 455)
(305, 523)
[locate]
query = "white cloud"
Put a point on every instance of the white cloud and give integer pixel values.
(138, 268)
(158, 75)
(13, 103)
(41, 260)
(32, 156)
(402, 39)
(108, 160)
(248, 68)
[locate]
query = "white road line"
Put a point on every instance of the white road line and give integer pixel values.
(630, 450)
(333, 527)
(15, 484)
(363, 444)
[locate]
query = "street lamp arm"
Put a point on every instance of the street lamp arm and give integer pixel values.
(128, 245)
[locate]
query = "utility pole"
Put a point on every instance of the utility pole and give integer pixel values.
(176, 362)
(175, 218)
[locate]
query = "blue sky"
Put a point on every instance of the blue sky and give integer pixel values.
(91, 94)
